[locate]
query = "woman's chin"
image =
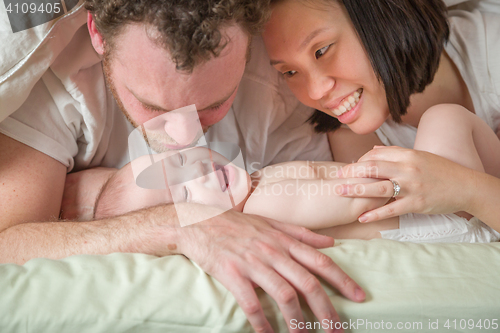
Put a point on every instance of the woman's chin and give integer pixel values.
(363, 129)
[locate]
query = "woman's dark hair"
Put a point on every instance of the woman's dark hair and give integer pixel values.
(404, 40)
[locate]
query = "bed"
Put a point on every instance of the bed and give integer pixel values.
(410, 287)
(423, 287)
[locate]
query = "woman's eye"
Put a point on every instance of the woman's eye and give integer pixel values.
(181, 159)
(289, 73)
(321, 51)
(186, 194)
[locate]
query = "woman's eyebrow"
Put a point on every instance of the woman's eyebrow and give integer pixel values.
(310, 37)
(275, 62)
(304, 43)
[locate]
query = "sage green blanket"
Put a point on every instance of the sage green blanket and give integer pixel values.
(414, 285)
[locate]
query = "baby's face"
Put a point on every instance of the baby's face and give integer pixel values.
(204, 176)
(195, 175)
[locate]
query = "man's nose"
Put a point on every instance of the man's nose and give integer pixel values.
(319, 85)
(183, 127)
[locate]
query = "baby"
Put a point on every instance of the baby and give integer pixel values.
(303, 193)
(299, 192)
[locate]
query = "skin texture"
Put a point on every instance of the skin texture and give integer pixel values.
(241, 251)
(137, 81)
(77, 202)
(333, 64)
(450, 131)
(299, 192)
(191, 177)
(327, 68)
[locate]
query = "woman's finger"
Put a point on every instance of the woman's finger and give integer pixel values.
(393, 209)
(392, 153)
(381, 189)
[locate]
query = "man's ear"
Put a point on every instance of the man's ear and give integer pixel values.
(95, 35)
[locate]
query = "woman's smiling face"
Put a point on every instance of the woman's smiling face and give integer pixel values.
(315, 46)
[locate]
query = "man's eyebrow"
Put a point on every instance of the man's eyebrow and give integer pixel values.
(159, 108)
(146, 104)
(304, 43)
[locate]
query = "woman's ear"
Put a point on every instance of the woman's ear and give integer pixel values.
(95, 36)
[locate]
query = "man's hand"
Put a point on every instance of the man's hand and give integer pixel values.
(80, 193)
(242, 251)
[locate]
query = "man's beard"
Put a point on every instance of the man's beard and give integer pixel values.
(157, 141)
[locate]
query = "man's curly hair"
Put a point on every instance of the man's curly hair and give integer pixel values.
(188, 29)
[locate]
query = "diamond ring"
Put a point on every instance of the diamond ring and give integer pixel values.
(397, 188)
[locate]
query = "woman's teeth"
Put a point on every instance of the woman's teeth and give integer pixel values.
(348, 103)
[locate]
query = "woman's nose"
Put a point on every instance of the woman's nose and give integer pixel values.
(319, 85)
(183, 127)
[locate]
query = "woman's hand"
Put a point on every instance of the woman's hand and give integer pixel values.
(430, 184)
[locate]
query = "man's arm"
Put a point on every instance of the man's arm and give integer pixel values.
(31, 184)
(31, 189)
(241, 251)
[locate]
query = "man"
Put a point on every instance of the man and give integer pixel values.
(155, 57)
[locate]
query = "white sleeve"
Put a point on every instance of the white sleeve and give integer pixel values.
(48, 121)
(488, 6)
(450, 3)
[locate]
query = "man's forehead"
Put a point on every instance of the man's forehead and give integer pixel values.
(200, 106)
(150, 73)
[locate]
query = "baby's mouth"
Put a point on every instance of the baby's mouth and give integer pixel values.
(221, 173)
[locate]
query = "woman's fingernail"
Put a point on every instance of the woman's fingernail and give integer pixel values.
(363, 218)
(339, 190)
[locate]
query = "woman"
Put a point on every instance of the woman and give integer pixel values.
(395, 56)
